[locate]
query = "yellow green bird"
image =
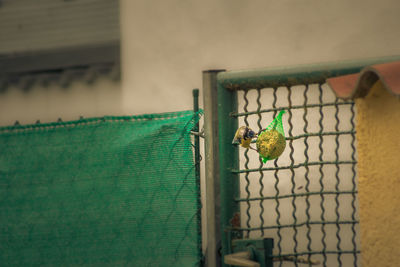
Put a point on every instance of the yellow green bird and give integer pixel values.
(243, 136)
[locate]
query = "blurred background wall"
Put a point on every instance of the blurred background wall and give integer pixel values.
(166, 44)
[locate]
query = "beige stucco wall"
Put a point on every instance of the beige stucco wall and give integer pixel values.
(48, 103)
(166, 44)
(378, 137)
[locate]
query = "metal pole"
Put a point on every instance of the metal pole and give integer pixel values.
(196, 137)
(197, 161)
(210, 96)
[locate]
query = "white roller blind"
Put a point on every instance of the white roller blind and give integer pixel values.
(48, 34)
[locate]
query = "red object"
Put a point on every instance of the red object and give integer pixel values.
(359, 84)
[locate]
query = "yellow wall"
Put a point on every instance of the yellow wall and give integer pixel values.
(378, 137)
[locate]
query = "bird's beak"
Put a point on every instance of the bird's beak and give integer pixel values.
(235, 141)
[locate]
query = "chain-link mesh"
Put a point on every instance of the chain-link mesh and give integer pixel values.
(112, 191)
(307, 198)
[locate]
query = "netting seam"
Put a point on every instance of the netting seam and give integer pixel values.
(92, 121)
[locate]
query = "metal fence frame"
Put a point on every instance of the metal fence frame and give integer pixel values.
(220, 101)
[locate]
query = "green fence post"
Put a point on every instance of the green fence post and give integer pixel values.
(229, 160)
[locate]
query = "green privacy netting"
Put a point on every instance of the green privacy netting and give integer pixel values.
(112, 191)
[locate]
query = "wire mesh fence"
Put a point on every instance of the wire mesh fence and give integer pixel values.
(307, 198)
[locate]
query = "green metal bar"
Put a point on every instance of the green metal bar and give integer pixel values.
(240, 114)
(195, 93)
(315, 134)
(295, 166)
(296, 195)
(317, 252)
(296, 225)
(268, 247)
(295, 75)
(229, 159)
(319, 134)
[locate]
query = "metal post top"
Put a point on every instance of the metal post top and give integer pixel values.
(214, 70)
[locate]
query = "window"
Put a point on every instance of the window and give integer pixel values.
(55, 35)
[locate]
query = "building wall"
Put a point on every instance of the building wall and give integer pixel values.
(378, 128)
(50, 102)
(167, 44)
(28, 26)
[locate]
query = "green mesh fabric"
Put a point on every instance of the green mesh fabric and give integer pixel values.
(112, 191)
(277, 123)
(274, 143)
